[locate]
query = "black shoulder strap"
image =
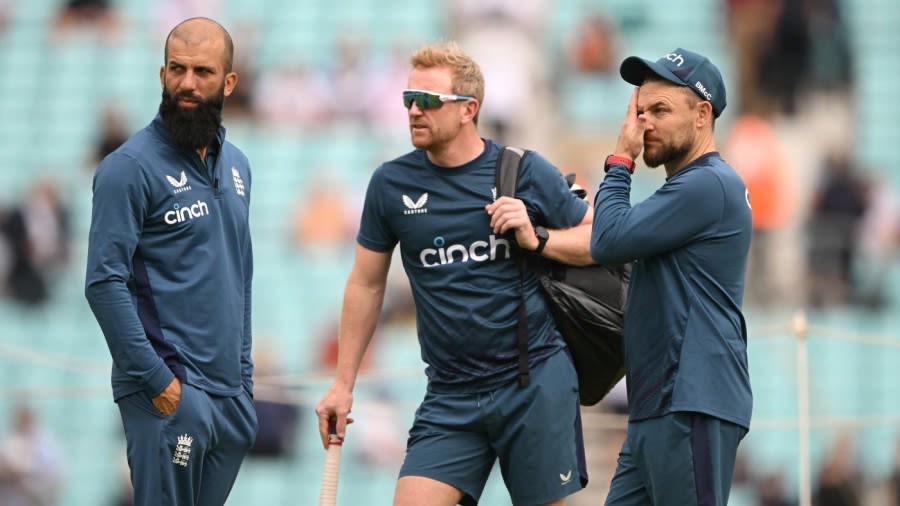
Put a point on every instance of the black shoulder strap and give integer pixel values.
(509, 163)
(508, 166)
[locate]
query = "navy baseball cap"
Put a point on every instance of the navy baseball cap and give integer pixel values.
(684, 68)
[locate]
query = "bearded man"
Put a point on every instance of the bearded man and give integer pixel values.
(689, 395)
(169, 274)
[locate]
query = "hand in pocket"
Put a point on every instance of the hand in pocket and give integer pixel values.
(167, 401)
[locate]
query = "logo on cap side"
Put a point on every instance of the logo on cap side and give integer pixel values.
(702, 90)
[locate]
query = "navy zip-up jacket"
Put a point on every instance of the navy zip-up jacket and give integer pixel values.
(170, 265)
(685, 336)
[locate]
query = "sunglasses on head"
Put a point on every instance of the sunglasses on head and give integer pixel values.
(428, 100)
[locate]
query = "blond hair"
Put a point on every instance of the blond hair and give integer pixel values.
(466, 77)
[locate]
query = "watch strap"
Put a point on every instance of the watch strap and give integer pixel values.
(619, 160)
(542, 237)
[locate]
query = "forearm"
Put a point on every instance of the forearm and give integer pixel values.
(612, 203)
(678, 212)
(570, 246)
(129, 347)
(359, 316)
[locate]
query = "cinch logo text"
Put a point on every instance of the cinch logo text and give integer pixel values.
(181, 214)
(478, 251)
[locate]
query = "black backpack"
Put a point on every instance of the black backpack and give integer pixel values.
(587, 303)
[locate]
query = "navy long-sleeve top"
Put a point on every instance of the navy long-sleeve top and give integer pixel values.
(170, 265)
(685, 335)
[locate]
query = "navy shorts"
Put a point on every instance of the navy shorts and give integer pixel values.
(680, 459)
(534, 432)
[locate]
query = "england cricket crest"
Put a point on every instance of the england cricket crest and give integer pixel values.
(182, 453)
(238, 182)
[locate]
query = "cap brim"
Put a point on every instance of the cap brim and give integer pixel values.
(635, 70)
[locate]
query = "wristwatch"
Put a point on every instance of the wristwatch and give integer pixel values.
(542, 236)
(620, 160)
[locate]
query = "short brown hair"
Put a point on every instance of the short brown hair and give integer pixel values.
(466, 79)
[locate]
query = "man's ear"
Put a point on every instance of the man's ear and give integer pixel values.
(471, 110)
(231, 80)
(704, 113)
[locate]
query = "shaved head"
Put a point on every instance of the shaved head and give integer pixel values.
(196, 31)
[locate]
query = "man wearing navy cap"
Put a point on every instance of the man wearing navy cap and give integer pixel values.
(685, 336)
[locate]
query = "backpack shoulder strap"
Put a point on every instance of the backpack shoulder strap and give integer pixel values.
(509, 164)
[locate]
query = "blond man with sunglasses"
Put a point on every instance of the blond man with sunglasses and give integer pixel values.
(457, 239)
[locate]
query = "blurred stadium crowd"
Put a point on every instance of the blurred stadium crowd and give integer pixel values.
(810, 124)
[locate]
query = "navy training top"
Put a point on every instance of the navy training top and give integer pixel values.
(464, 280)
(170, 264)
(685, 335)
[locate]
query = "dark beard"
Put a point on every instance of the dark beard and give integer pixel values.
(192, 128)
(666, 154)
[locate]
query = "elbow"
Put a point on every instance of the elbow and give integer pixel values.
(90, 292)
(99, 292)
(604, 252)
(606, 241)
(600, 254)
(609, 245)
(95, 297)
(600, 245)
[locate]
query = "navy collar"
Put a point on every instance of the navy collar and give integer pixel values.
(695, 163)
